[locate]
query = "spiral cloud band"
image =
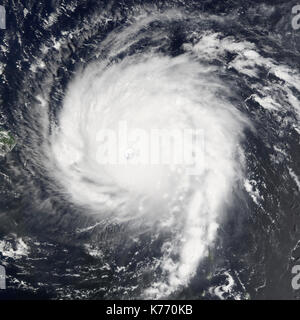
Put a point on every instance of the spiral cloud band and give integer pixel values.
(152, 91)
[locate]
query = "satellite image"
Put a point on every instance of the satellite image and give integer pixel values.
(149, 150)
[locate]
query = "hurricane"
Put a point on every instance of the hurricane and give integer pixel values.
(115, 226)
